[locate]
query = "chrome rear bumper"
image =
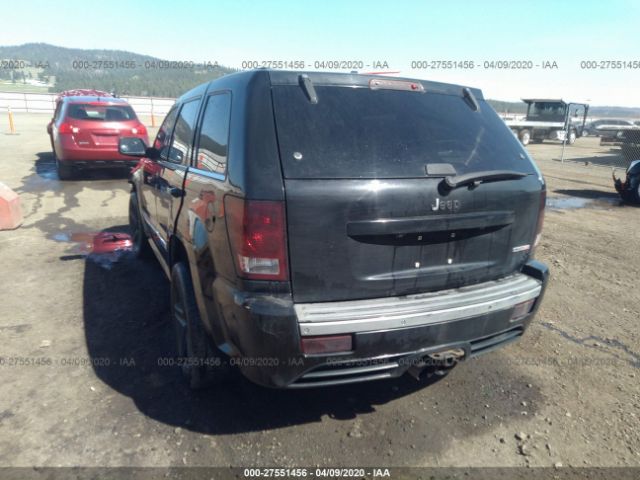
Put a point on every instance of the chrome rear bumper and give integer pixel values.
(416, 310)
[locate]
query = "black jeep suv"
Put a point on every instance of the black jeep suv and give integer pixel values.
(321, 229)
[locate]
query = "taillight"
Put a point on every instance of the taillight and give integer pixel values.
(521, 310)
(258, 239)
(66, 128)
(139, 130)
(543, 201)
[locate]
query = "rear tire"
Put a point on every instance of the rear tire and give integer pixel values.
(65, 172)
(202, 366)
(141, 247)
(636, 194)
(525, 137)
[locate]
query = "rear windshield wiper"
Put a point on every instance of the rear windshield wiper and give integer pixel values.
(477, 178)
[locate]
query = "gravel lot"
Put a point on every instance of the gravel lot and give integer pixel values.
(80, 342)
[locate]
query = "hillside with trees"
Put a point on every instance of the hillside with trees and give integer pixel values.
(125, 73)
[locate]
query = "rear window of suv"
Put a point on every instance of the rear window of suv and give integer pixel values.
(355, 132)
(104, 113)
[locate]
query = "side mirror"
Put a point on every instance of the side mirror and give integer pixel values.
(132, 146)
(135, 147)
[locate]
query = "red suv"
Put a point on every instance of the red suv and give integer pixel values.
(85, 130)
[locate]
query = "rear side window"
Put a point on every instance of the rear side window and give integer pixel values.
(56, 113)
(163, 138)
(363, 133)
(101, 113)
(182, 142)
(214, 134)
(547, 111)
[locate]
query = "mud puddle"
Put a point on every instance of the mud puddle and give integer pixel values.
(569, 203)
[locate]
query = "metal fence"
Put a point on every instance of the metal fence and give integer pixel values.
(597, 152)
(46, 103)
(606, 149)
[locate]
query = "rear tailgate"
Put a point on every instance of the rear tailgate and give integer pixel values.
(99, 125)
(365, 219)
(105, 137)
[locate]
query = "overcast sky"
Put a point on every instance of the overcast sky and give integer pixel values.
(397, 32)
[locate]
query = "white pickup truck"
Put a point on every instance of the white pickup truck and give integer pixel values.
(550, 119)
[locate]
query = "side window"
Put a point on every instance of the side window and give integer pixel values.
(163, 139)
(181, 144)
(214, 134)
(56, 114)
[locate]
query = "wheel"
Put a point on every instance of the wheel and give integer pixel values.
(141, 247)
(525, 136)
(572, 137)
(201, 364)
(65, 172)
(633, 194)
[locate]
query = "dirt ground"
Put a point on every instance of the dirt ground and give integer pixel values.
(80, 342)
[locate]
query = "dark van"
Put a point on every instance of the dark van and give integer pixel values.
(322, 229)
